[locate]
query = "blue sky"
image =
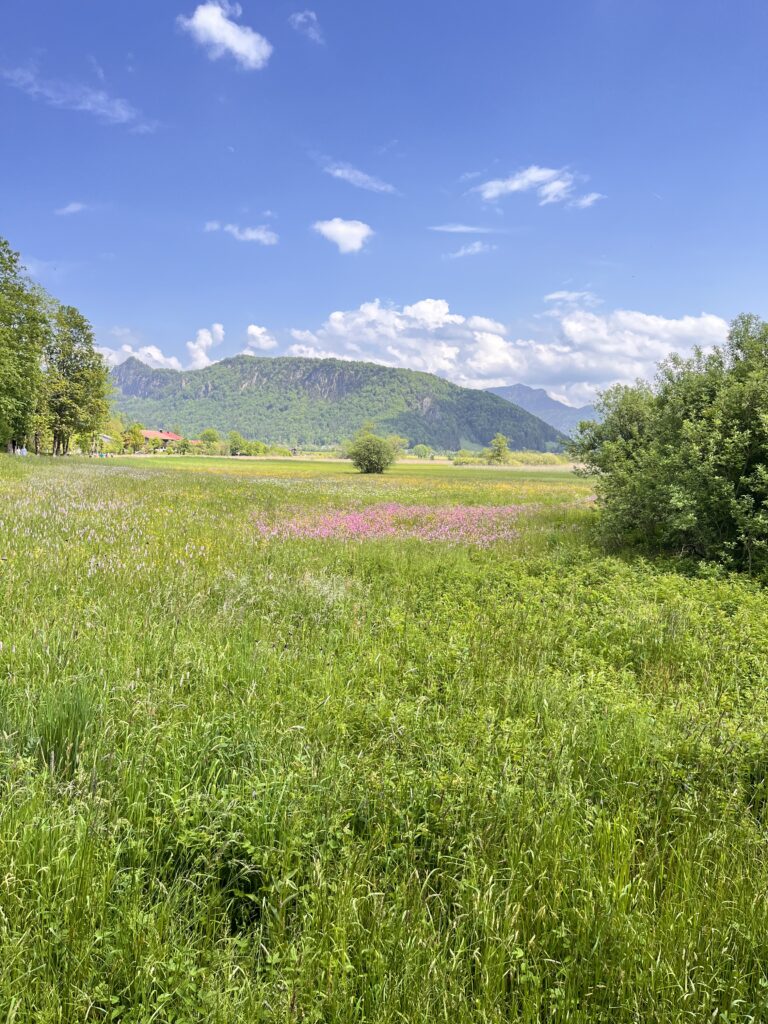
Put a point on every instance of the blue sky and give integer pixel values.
(203, 178)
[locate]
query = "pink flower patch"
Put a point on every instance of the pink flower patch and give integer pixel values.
(458, 524)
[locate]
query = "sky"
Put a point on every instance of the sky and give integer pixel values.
(558, 192)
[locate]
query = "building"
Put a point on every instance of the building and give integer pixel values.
(165, 437)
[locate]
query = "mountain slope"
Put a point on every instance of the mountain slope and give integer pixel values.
(536, 401)
(321, 402)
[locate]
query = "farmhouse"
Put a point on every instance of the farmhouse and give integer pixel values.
(165, 437)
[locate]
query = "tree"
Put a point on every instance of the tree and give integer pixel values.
(397, 443)
(133, 438)
(421, 451)
(371, 454)
(23, 331)
(182, 447)
(237, 443)
(210, 439)
(499, 453)
(75, 378)
(682, 464)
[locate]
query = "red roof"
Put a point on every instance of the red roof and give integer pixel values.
(161, 435)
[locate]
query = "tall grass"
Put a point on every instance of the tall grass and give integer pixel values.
(249, 780)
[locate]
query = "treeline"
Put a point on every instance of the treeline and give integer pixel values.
(53, 383)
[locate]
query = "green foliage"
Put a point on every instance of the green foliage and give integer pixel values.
(53, 383)
(322, 781)
(133, 438)
(499, 450)
(320, 402)
(75, 378)
(422, 451)
(23, 332)
(371, 454)
(683, 465)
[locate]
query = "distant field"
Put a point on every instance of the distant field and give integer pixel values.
(280, 742)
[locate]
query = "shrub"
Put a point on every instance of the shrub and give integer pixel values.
(371, 454)
(683, 463)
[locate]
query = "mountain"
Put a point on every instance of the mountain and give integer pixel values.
(537, 401)
(292, 400)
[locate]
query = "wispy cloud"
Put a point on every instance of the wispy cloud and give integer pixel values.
(307, 23)
(551, 185)
(70, 208)
(345, 172)
(573, 298)
(212, 25)
(473, 249)
(261, 234)
(348, 235)
(463, 229)
(76, 96)
(584, 202)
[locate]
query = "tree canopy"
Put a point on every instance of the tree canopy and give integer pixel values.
(53, 382)
(682, 463)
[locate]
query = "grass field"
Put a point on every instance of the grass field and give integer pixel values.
(249, 776)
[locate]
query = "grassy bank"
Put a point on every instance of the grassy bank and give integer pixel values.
(314, 780)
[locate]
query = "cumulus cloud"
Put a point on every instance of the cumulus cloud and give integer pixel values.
(348, 235)
(259, 340)
(76, 96)
(473, 249)
(579, 353)
(70, 208)
(551, 185)
(205, 339)
(131, 347)
(214, 27)
(345, 172)
(261, 234)
(307, 23)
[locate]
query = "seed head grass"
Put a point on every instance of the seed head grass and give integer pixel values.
(294, 777)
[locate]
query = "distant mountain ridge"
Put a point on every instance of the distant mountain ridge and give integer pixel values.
(292, 400)
(536, 401)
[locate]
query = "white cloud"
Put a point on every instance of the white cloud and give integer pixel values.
(75, 96)
(552, 185)
(261, 234)
(473, 249)
(463, 229)
(584, 202)
(212, 26)
(345, 172)
(132, 347)
(578, 353)
(587, 298)
(307, 23)
(310, 352)
(259, 340)
(348, 235)
(70, 208)
(205, 340)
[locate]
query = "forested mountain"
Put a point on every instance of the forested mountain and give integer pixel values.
(292, 400)
(537, 401)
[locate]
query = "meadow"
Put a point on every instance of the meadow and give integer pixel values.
(261, 760)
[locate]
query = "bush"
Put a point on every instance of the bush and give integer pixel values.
(371, 454)
(683, 463)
